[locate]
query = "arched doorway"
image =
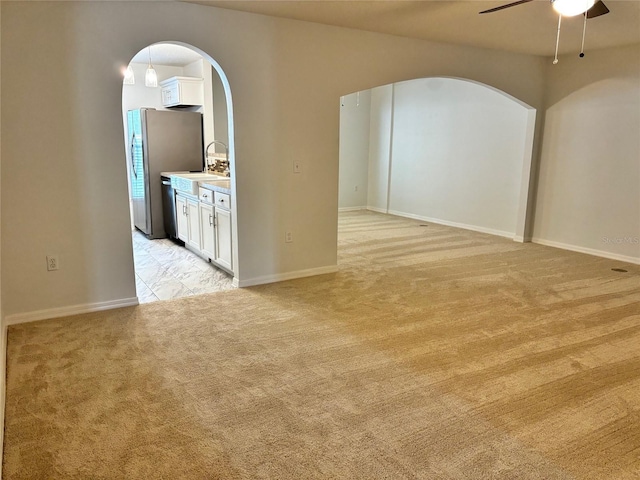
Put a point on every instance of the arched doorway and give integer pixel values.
(165, 135)
(445, 150)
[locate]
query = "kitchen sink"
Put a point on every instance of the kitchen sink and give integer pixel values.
(188, 182)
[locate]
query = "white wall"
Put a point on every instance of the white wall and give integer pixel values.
(380, 147)
(457, 154)
(202, 69)
(71, 198)
(220, 114)
(589, 183)
(208, 111)
(194, 69)
(354, 150)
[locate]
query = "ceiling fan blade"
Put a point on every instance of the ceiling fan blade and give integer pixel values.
(598, 9)
(509, 5)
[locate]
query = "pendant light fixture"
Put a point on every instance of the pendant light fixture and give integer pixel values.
(571, 8)
(129, 77)
(151, 77)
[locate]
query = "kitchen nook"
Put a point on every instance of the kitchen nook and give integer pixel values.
(180, 175)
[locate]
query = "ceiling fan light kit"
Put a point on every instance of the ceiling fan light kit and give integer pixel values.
(571, 8)
(566, 8)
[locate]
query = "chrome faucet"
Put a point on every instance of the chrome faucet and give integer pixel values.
(226, 152)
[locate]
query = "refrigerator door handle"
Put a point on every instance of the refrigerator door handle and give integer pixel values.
(133, 162)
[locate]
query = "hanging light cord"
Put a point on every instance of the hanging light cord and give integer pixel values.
(584, 34)
(555, 60)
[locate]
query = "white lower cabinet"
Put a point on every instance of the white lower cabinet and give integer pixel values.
(187, 221)
(193, 218)
(223, 237)
(207, 231)
(205, 225)
(182, 223)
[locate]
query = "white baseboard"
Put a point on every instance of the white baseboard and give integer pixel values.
(351, 209)
(3, 386)
(70, 310)
(521, 239)
(280, 277)
(588, 251)
(465, 226)
(376, 209)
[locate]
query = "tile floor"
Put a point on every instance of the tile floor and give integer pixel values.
(165, 270)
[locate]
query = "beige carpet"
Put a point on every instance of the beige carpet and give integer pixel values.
(434, 353)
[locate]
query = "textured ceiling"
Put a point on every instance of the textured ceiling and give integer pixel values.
(167, 54)
(529, 28)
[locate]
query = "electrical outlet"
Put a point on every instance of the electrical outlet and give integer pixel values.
(52, 262)
(297, 167)
(288, 237)
(355, 189)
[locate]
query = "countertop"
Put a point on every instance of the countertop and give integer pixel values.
(218, 185)
(168, 174)
(222, 186)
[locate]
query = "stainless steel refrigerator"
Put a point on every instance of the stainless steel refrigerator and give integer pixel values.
(160, 141)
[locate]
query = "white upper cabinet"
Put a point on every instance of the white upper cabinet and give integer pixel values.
(182, 91)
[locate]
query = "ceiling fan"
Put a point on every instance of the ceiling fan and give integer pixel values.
(566, 8)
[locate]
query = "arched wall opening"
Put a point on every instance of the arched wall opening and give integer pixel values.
(446, 150)
(215, 139)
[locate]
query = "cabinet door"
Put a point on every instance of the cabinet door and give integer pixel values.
(223, 238)
(193, 218)
(166, 95)
(181, 218)
(207, 231)
(170, 95)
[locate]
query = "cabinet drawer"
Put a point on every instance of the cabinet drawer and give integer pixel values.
(205, 195)
(222, 200)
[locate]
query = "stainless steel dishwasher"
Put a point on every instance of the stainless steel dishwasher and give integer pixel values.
(169, 210)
